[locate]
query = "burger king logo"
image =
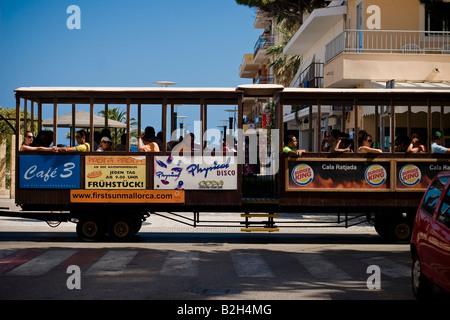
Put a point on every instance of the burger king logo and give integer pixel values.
(302, 174)
(375, 175)
(410, 175)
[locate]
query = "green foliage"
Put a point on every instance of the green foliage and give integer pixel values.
(119, 115)
(286, 9)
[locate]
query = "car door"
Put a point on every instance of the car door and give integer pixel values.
(425, 224)
(440, 238)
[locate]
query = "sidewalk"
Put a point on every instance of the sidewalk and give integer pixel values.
(6, 202)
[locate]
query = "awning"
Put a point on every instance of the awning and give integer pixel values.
(82, 120)
(444, 85)
(424, 85)
(305, 113)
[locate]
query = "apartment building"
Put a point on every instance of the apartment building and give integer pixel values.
(256, 66)
(368, 44)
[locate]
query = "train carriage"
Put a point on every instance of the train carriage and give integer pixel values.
(113, 192)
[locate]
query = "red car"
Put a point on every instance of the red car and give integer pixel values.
(430, 242)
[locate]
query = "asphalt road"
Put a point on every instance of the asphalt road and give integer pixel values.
(168, 261)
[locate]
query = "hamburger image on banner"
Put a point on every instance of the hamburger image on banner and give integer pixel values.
(375, 175)
(410, 175)
(302, 174)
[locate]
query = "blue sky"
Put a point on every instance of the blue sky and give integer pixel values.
(196, 43)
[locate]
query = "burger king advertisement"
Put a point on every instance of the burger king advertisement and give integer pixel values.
(332, 175)
(417, 175)
(328, 175)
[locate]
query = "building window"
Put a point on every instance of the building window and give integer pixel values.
(437, 17)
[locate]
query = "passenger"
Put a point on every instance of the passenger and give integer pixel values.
(105, 144)
(401, 143)
(43, 139)
(185, 144)
(435, 145)
(329, 144)
(229, 144)
(122, 146)
(27, 144)
(97, 137)
(344, 143)
(106, 133)
(159, 140)
(291, 146)
(82, 146)
(365, 144)
(147, 141)
(415, 145)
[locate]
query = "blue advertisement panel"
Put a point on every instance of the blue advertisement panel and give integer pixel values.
(49, 171)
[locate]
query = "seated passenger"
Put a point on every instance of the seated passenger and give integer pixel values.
(229, 144)
(291, 146)
(105, 144)
(27, 144)
(435, 146)
(365, 143)
(415, 145)
(401, 143)
(122, 146)
(147, 141)
(344, 143)
(82, 146)
(184, 144)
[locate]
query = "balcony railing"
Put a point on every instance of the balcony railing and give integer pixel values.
(263, 42)
(311, 77)
(264, 80)
(389, 41)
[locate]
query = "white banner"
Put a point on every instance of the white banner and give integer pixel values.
(195, 173)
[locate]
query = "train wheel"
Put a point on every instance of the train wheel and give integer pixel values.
(121, 228)
(400, 230)
(89, 229)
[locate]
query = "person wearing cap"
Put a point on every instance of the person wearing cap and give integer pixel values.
(435, 146)
(105, 144)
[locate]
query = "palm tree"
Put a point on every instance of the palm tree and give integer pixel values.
(285, 67)
(120, 115)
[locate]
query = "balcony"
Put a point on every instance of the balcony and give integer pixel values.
(260, 48)
(248, 69)
(310, 77)
(358, 55)
(264, 80)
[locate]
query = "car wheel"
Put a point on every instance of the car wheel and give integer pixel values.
(421, 286)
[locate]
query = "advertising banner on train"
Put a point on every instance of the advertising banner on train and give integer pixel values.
(418, 174)
(195, 173)
(115, 172)
(49, 172)
(338, 175)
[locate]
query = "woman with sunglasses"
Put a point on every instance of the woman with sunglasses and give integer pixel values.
(365, 144)
(27, 144)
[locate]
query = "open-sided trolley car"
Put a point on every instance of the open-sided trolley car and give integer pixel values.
(113, 192)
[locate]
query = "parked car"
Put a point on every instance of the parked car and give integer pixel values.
(430, 242)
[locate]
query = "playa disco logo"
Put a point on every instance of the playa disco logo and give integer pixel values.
(375, 175)
(410, 175)
(302, 174)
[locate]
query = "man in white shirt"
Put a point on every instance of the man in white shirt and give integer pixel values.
(435, 147)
